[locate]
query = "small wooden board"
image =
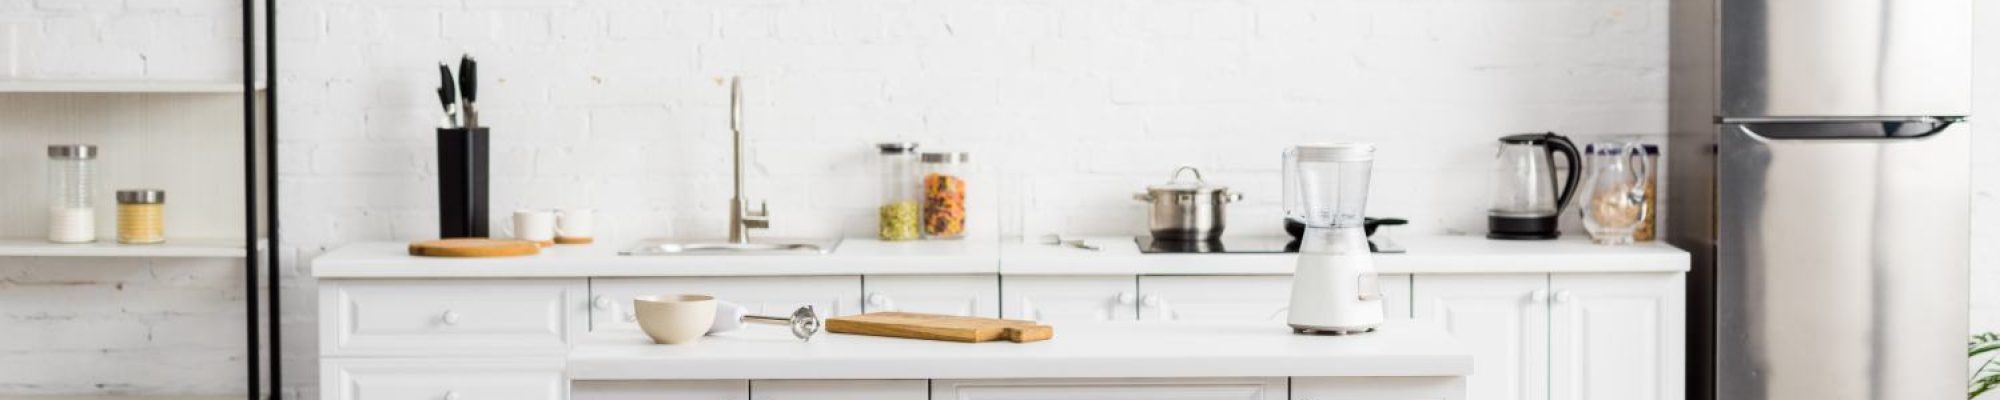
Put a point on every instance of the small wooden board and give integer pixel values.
(939, 327)
(472, 247)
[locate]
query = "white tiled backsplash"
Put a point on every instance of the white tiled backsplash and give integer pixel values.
(1067, 106)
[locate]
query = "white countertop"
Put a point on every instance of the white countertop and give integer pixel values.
(1079, 350)
(1436, 254)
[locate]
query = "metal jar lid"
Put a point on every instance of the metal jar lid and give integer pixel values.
(72, 152)
(897, 147)
(951, 157)
(142, 196)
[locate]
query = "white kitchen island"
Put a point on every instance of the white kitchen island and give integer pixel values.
(1549, 320)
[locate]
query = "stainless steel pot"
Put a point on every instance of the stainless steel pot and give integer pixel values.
(1186, 210)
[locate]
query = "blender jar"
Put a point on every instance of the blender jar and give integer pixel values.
(1333, 183)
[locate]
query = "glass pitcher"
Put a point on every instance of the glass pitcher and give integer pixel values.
(1528, 195)
(1614, 191)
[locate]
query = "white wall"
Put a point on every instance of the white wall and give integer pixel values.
(1069, 106)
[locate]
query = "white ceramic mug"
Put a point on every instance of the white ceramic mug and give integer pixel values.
(534, 226)
(575, 224)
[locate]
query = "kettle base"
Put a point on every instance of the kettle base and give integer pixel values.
(1329, 331)
(1522, 228)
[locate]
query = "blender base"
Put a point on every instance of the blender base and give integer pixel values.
(1322, 331)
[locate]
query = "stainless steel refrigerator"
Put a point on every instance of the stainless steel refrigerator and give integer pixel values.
(1818, 171)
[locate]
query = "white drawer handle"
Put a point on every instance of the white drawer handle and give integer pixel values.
(601, 302)
(1563, 296)
(629, 317)
(1151, 300)
(450, 395)
(1538, 295)
(1127, 298)
(881, 301)
(449, 317)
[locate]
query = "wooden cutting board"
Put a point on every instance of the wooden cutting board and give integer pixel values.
(474, 248)
(939, 327)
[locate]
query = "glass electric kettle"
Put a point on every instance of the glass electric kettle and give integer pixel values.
(1527, 196)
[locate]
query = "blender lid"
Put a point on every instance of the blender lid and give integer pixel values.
(1336, 152)
(897, 147)
(1528, 138)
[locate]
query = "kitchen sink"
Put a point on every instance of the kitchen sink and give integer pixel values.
(663, 248)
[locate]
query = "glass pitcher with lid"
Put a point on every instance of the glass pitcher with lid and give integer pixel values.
(1527, 195)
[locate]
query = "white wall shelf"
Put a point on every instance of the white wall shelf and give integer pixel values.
(124, 87)
(174, 247)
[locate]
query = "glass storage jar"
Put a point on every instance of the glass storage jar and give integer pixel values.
(142, 216)
(72, 171)
(901, 204)
(944, 194)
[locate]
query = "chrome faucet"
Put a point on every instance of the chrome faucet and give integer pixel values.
(741, 218)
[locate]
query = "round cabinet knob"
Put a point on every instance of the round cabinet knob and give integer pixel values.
(1127, 298)
(1151, 300)
(449, 317)
(629, 317)
(1539, 295)
(600, 302)
(1563, 296)
(450, 395)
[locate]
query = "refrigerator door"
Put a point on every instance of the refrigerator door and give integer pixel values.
(1841, 268)
(1832, 58)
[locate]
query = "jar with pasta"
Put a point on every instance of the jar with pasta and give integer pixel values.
(944, 188)
(902, 201)
(142, 216)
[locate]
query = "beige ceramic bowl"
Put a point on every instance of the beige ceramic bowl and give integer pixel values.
(675, 318)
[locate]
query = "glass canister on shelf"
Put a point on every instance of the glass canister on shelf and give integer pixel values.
(72, 171)
(902, 202)
(1614, 191)
(944, 194)
(1647, 230)
(142, 216)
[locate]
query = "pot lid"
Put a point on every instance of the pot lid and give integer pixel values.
(1528, 138)
(1174, 184)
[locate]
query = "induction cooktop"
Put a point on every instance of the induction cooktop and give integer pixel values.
(1252, 245)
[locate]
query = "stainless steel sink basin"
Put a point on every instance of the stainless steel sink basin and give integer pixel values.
(726, 248)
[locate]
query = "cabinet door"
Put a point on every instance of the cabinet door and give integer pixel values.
(470, 317)
(840, 390)
(968, 295)
(660, 390)
(1617, 336)
(451, 379)
(1379, 388)
(1069, 298)
(1242, 298)
(1113, 389)
(611, 298)
(1503, 319)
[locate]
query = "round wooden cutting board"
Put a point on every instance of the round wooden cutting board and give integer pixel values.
(474, 248)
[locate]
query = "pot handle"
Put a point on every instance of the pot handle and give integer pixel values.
(1187, 168)
(1142, 197)
(1232, 197)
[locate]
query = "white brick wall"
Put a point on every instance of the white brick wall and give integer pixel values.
(1069, 106)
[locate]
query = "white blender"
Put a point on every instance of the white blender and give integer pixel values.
(1334, 289)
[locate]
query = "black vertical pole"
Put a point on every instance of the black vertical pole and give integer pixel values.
(271, 189)
(251, 361)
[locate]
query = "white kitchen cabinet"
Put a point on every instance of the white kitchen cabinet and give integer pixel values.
(1112, 389)
(1503, 319)
(1055, 299)
(1617, 336)
(1237, 298)
(661, 390)
(962, 295)
(1378, 388)
(443, 379)
(479, 317)
(841, 390)
(611, 298)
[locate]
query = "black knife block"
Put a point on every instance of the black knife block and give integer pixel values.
(463, 155)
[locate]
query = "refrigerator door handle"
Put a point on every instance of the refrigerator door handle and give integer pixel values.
(1879, 129)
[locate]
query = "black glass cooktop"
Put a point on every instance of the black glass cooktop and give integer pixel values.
(1249, 245)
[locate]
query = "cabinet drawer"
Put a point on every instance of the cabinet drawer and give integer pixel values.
(415, 379)
(1057, 299)
(1243, 298)
(970, 295)
(1112, 389)
(611, 298)
(464, 317)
